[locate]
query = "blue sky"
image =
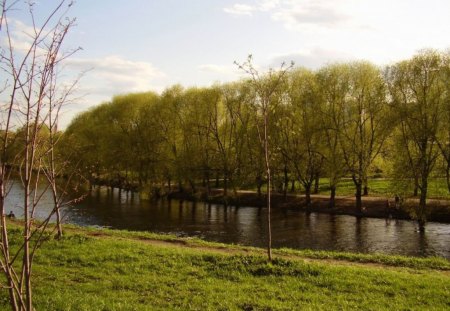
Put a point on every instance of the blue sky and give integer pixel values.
(141, 45)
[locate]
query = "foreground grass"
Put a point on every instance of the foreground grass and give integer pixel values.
(117, 270)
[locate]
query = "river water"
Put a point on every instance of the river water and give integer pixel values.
(248, 225)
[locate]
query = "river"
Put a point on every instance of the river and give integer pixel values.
(247, 225)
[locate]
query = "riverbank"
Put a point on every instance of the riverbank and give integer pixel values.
(373, 206)
(92, 269)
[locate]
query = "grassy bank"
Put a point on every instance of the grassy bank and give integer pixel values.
(117, 270)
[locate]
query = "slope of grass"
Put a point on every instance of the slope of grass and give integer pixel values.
(117, 270)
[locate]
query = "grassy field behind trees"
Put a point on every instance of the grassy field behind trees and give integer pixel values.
(344, 123)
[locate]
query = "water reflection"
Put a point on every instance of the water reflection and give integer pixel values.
(247, 225)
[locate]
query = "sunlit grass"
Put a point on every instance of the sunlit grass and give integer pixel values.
(118, 270)
(437, 188)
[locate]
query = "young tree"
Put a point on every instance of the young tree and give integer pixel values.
(30, 85)
(265, 88)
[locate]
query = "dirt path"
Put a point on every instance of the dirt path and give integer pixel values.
(242, 250)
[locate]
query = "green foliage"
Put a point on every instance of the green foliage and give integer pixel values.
(343, 120)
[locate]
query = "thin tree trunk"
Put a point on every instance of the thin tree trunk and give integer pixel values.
(316, 183)
(447, 176)
(358, 195)
(225, 184)
(269, 180)
(365, 190)
(58, 223)
(286, 183)
(208, 185)
(332, 196)
(421, 214)
(308, 194)
(26, 230)
(258, 187)
(7, 268)
(416, 187)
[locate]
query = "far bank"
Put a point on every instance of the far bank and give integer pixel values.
(373, 206)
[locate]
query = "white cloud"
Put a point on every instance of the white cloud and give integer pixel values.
(296, 14)
(109, 76)
(310, 15)
(240, 9)
(321, 12)
(22, 37)
(114, 74)
(246, 9)
(268, 5)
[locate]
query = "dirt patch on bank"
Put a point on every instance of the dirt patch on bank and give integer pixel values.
(376, 207)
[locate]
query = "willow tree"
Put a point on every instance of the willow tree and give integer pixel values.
(265, 87)
(333, 83)
(361, 121)
(443, 136)
(300, 129)
(418, 89)
(235, 132)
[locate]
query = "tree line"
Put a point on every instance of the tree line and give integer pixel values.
(352, 120)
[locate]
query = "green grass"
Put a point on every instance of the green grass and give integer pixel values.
(383, 187)
(119, 270)
(437, 188)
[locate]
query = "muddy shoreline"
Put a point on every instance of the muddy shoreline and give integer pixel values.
(374, 207)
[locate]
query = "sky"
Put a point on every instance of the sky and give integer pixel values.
(149, 45)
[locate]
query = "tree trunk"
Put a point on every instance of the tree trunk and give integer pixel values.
(416, 187)
(421, 213)
(58, 223)
(208, 186)
(286, 183)
(192, 184)
(292, 186)
(365, 186)
(365, 190)
(259, 185)
(307, 194)
(358, 195)
(447, 176)
(269, 180)
(316, 184)
(5, 244)
(332, 196)
(225, 184)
